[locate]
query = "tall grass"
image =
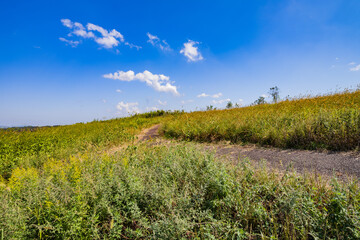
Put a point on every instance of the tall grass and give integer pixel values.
(323, 122)
(31, 147)
(171, 193)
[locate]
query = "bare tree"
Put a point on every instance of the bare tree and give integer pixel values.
(274, 92)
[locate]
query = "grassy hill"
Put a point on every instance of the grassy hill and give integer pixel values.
(323, 122)
(61, 183)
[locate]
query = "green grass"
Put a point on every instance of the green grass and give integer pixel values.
(325, 122)
(32, 147)
(172, 193)
(59, 183)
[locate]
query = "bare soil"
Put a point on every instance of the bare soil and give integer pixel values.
(343, 165)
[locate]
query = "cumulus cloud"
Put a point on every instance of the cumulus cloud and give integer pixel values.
(159, 82)
(106, 39)
(217, 95)
(130, 107)
(118, 91)
(356, 68)
(221, 101)
(70, 42)
(163, 103)
(191, 52)
(157, 42)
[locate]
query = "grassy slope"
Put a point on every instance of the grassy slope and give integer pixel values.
(32, 147)
(61, 186)
(325, 122)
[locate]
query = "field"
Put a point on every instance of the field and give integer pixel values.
(63, 183)
(325, 122)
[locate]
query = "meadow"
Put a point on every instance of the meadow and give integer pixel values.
(31, 147)
(63, 183)
(172, 192)
(323, 122)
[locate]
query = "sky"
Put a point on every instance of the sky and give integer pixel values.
(63, 62)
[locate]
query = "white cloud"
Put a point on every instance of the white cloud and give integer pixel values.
(202, 95)
(221, 101)
(356, 68)
(156, 42)
(106, 39)
(148, 109)
(159, 82)
(352, 63)
(70, 42)
(217, 95)
(133, 45)
(118, 91)
(191, 51)
(131, 107)
(163, 103)
(264, 95)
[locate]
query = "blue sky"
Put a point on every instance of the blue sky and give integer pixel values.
(76, 61)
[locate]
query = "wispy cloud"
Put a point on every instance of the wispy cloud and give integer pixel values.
(148, 109)
(191, 52)
(159, 82)
(352, 63)
(157, 42)
(130, 107)
(221, 101)
(187, 101)
(163, 103)
(70, 42)
(203, 95)
(356, 68)
(118, 91)
(106, 39)
(217, 95)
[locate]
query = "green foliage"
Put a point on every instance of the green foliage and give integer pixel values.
(324, 122)
(229, 105)
(172, 193)
(33, 146)
(260, 100)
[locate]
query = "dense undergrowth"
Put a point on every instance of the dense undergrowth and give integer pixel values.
(324, 122)
(172, 193)
(31, 147)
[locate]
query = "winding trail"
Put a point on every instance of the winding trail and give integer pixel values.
(343, 165)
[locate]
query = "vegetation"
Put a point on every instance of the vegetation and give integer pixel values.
(322, 122)
(31, 147)
(275, 94)
(61, 183)
(171, 193)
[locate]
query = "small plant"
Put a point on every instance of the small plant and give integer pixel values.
(260, 100)
(229, 105)
(209, 108)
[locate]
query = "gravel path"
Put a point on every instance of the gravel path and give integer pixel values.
(341, 164)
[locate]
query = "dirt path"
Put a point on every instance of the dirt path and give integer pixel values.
(340, 164)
